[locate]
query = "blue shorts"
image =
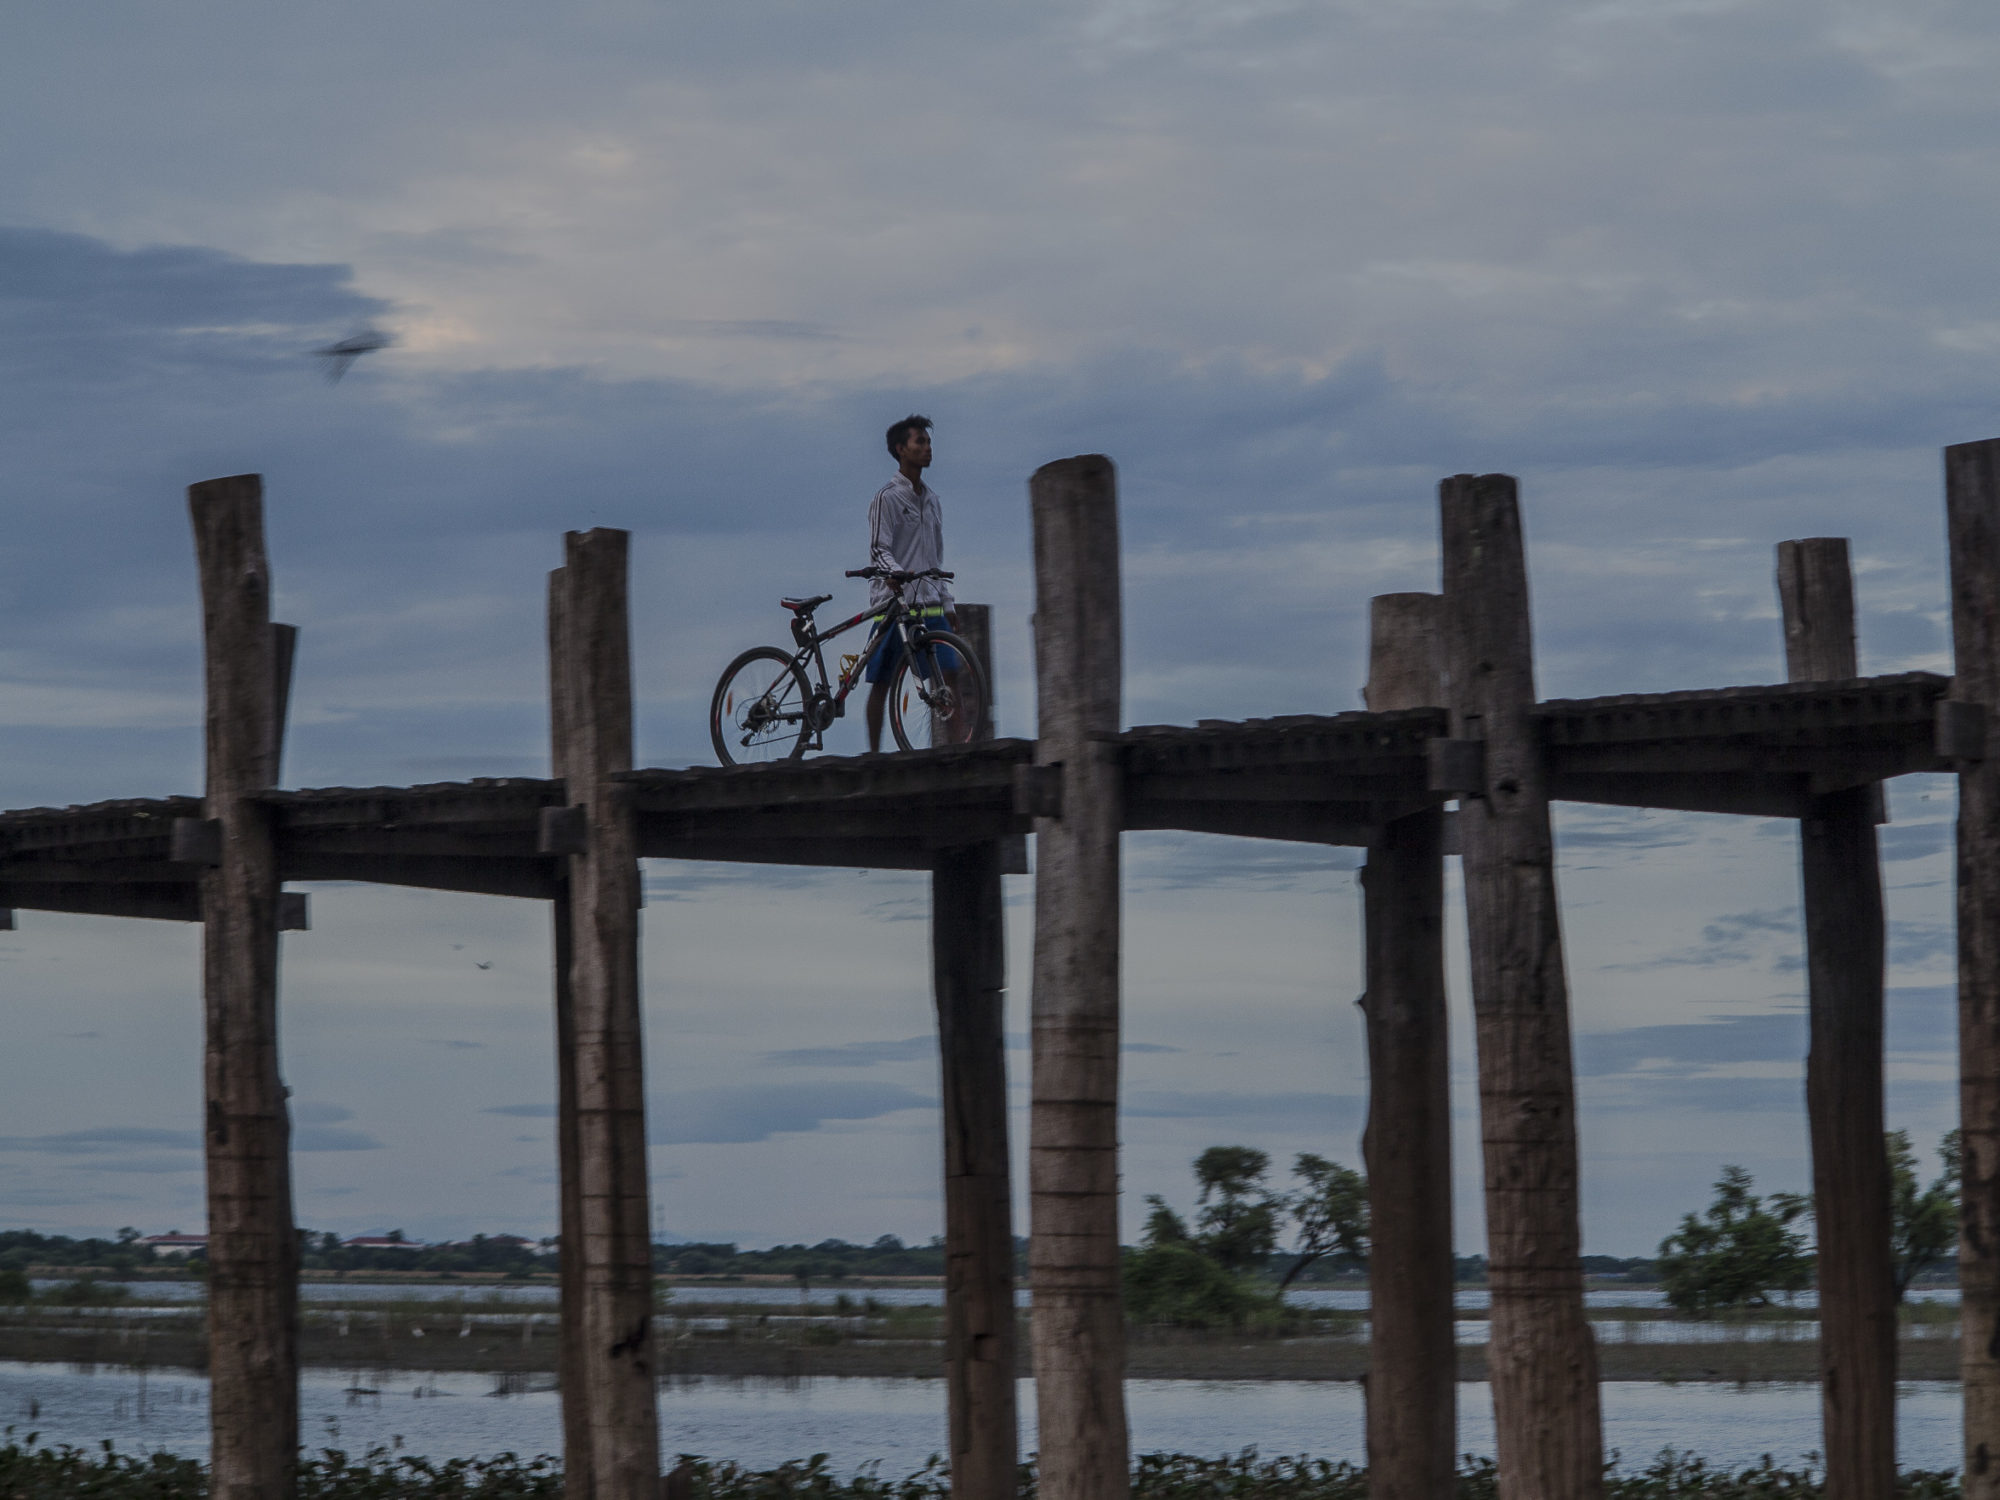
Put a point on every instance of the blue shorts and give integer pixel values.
(882, 665)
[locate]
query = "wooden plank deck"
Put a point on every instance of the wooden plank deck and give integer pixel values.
(1332, 779)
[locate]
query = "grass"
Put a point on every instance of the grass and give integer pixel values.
(28, 1472)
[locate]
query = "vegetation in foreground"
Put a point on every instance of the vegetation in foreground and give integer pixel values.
(28, 1472)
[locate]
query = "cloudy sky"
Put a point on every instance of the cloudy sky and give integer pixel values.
(1706, 274)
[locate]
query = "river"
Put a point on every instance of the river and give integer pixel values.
(899, 1423)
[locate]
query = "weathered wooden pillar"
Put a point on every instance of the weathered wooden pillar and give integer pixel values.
(969, 982)
(1542, 1360)
(253, 1248)
(608, 1073)
(975, 627)
(1844, 956)
(969, 967)
(1972, 506)
(1413, 1355)
(571, 1348)
(1078, 1317)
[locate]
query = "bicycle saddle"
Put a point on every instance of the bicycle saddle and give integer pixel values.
(805, 606)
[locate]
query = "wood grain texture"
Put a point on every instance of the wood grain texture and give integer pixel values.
(1841, 875)
(608, 1072)
(1972, 507)
(572, 1360)
(969, 973)
(969, 986)
(1078, 1316)
(253, 1252)
(975, 627)
(1413, 1357)
(1543, 1362)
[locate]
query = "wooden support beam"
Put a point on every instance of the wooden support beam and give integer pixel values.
(969, 970)
(608, 1071)
(570, 1357)
(1073, 1256)
(1748, 795)
(253, 1252)
(848, 854)
(1844, 956)
(529, 878)
(1413, 1357)
(1542, 1360)
(1972, 507)
(1347, 824)
(170, 903)
(969, 985)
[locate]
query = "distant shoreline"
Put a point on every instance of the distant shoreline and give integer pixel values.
(528, 1345)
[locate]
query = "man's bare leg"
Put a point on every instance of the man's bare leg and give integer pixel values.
(878, 695)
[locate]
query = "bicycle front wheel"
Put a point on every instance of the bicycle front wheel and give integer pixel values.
(760, 709)
(931, 706)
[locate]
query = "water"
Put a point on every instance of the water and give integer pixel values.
(468, 1304)
(1346, 1299)
(900, 1423)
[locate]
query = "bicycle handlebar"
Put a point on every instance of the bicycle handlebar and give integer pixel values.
(898, 577)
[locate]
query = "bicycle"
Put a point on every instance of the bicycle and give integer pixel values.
(766, 709)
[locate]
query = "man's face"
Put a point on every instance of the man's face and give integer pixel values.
(916, 449)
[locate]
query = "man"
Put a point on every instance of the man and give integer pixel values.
(905, 535)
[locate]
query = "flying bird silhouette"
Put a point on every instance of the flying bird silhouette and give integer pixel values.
(340, 355)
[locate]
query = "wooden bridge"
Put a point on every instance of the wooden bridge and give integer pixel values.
(1452, 718)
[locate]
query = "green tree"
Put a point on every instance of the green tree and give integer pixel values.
(1923, 1222)
(1175, 1278)
(1238, 1222)
(1738, 1252)
(1330, 1210)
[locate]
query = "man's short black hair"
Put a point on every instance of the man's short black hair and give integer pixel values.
(900, 433)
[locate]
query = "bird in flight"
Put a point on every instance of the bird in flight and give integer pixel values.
(340, 355)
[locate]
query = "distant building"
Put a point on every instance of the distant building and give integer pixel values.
(175, 1246)
(380, 1242)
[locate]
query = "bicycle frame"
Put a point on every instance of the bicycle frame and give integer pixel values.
(811, 640)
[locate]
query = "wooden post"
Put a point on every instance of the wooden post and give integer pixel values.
(609, 1073)
(1844, 956)
(253, 1248)
(969, 977)
(1542, 1360)
(1073, 1257)
(975, 625)
(571, 1348)
(969, 965)
(1972, 505)
(1413, 1355)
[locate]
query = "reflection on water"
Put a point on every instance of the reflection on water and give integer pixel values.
(900, 1423)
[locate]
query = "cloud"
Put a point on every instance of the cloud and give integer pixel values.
(333, 1138)
(525, 1111)
(141, 1165)
(1681, 1049)
(1903, 841)
(1657, 264)
(1919, 1020)
(318, 1112)
(1322, 1110)
(103, 1139)
(734, 1115)
(857, 1054)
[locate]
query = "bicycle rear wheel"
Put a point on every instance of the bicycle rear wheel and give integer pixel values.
(930, 708)
(760, 709)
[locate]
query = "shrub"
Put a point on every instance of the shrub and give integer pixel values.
(1180, 1286)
